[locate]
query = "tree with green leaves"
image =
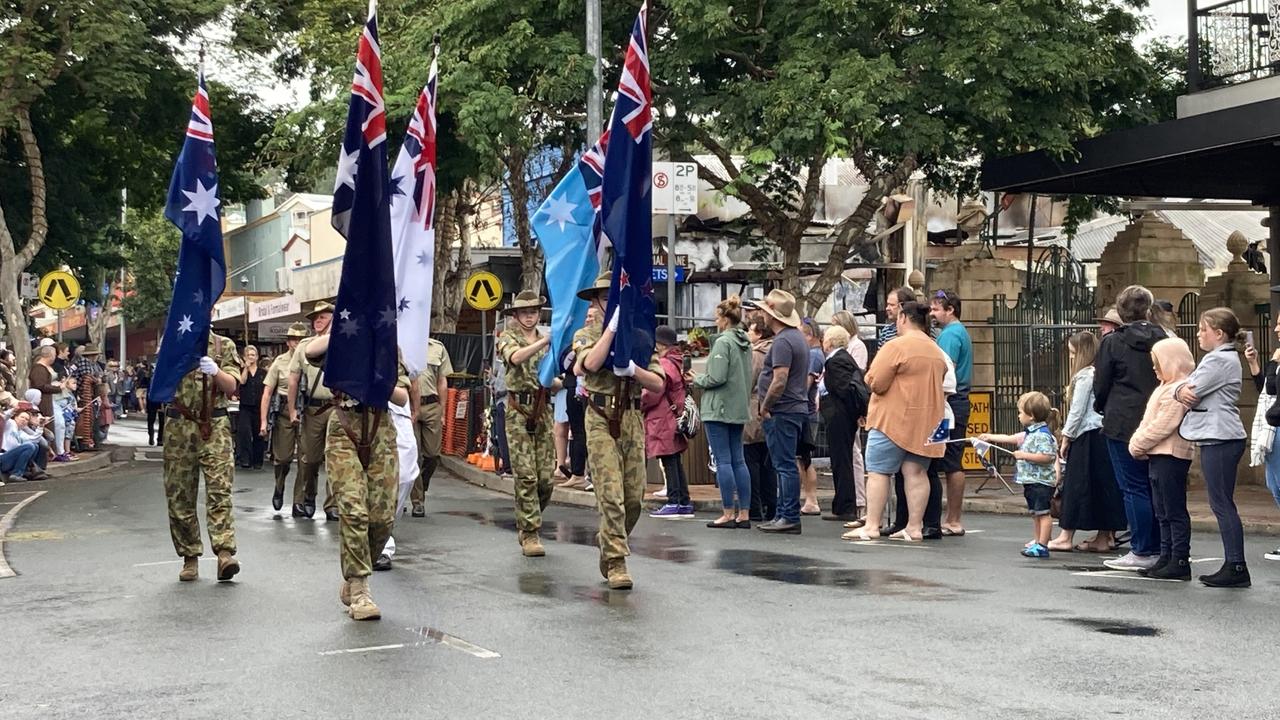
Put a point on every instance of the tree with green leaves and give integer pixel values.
(93, 100)
(773, 90)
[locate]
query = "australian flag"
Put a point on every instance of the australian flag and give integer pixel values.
(202, 270)
(361, 362)
(626, 204)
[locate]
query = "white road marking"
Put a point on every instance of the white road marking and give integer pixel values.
(1125, 574)
(372, 648)
(6, 522)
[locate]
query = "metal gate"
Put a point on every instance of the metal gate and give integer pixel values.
(1030, 336)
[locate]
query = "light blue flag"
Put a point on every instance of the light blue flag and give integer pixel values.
(563, 224)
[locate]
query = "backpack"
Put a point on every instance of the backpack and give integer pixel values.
(859, 394)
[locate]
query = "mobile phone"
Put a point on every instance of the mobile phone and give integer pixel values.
(1248, 338)
(688, 363)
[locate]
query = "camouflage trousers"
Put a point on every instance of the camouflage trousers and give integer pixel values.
(366, 498)
(618, 474)
(533, 458)
(186, 455)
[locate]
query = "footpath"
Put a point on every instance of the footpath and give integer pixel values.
(1258, 510)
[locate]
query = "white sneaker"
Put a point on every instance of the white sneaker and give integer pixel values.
(1273, 555)
(661, 494)
(1133, 562)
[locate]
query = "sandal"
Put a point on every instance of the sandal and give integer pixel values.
(905, 536)
(1060, 548)
(855, 524)
(948, 532)
(859, 535)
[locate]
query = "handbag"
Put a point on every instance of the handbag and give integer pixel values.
(1055, 504)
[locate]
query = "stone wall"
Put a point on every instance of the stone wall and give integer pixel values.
(977, 280)
(1152, 253)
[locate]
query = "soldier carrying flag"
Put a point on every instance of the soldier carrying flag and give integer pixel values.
(197, 370)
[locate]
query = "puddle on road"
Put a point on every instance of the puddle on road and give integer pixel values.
(1114, 627)
(772, 566)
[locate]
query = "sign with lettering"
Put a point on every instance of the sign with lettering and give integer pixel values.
(274, 308)
(675, 188)
(979, 422)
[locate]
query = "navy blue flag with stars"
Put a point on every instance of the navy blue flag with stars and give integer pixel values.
(626, 205)
(202, 270)
(361, 362)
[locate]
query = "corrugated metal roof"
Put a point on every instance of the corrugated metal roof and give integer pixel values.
(842, 170)
(1207, 229)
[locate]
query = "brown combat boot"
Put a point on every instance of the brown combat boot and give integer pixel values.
(531, 545)
(344, 593)
(228, 566)
(362, 607)
(190, 569)
(618, 577)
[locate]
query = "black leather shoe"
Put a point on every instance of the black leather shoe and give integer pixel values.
(382, 563)
(1231, 575)
(309, 508)
(781, 527)
(842, 517)
(277, 500)
(886, 531)
(331, 515)
(931, 534)
(300, 511)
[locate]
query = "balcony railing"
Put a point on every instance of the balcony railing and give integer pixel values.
(1232, 42)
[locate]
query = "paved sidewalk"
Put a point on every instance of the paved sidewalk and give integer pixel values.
(1258, 511)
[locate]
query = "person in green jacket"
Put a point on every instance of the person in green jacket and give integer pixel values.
(725, 387)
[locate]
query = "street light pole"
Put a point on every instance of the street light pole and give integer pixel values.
(124, 213)
(595, 121)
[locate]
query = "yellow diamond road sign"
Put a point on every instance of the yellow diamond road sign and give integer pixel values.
(483, 290)
(59, 290)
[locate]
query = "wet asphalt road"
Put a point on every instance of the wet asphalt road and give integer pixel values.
(731, 624)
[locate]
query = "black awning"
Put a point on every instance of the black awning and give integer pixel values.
(1231, 154)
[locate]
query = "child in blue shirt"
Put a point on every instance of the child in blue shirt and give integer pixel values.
(1036, 457)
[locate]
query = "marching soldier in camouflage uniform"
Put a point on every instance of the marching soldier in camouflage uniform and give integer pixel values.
(529, 440)
(433, 383)
(199, 439)
(309, 378)
(276, 422)
(615, 434)
(361, 461)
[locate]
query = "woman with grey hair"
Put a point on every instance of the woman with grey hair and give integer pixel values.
(1124, 378)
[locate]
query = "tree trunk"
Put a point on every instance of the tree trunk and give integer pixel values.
(446, 233)
(530, 253)
(13, 262)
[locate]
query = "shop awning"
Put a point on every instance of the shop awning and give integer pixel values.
(1227, 154)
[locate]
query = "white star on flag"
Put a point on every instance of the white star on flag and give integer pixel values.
(203, 201)
(345, 314)
(349, 328)
(348, 165)
(184, 325)
(560, 210)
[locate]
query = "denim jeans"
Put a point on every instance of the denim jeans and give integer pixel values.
(19, 460)
(732, 476)
(1273, 468)
(1219, 462)
(677, 483)
(781, 433)
(1169, 499)
(1134, 479)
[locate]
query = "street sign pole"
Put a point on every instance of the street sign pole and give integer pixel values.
(59, 325)
(671, 270)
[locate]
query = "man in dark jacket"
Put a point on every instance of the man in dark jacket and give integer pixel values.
(1123, 380)
(837, 411)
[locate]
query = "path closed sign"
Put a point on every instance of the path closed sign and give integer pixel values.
(979, 423)
(483, 290)
(59, 290)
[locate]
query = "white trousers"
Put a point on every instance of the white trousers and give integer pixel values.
(407, 447)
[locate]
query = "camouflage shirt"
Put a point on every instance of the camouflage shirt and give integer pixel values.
(603, 381)
(223, 351)
(310, 374)
(524, 376)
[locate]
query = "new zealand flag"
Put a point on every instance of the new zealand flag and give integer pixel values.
(202, 270)
(626, 205)
(361, 361)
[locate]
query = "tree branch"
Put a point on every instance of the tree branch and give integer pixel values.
(755, 70)
(750, 194)
(854, 229)
(35, 169)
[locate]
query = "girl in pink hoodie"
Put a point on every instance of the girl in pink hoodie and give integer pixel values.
(1157, 440)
